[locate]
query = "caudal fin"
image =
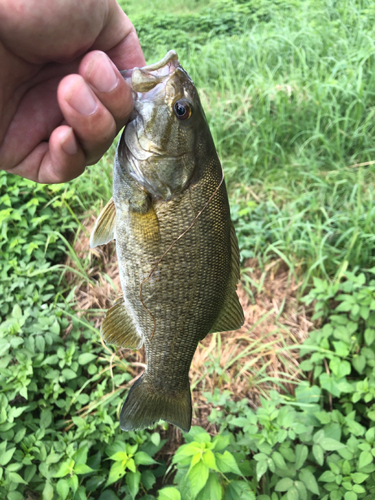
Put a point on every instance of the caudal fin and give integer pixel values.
(146, 405)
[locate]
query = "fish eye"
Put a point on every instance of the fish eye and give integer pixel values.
(182, 110)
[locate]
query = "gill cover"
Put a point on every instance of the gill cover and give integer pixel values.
(159, 143)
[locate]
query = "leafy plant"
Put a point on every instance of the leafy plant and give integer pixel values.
(58, 400)
(207, 469)
(298, 450)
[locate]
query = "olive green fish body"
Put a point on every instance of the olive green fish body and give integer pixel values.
(179, 265)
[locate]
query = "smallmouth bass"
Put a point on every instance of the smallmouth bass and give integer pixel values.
(176, 246)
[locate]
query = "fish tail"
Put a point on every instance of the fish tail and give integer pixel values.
(147, 404)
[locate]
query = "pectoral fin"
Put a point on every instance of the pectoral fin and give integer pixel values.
(104, 228)
(145, 226)
(231, 316)
(118, 328)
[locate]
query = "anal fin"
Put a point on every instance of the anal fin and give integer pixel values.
(118, 328)
(103, 231)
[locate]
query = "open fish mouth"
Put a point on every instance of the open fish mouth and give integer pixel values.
(142, 80)
(146, 83)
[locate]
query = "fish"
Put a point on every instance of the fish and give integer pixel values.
(176, 246)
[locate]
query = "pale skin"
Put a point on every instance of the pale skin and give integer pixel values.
(62, 98)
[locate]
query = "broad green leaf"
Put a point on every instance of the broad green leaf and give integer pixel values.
(328, 477)
(142, 458)
(155, 438)
(62, 488)
(148, 479)
(169, 493)
(132, 480)
(45, 418)
(131, 465)
(131, 449)
(369, 336)
(359, 477)
(359, 362)
(195, 459)
(346, 468)
(73, 482)
(350, 495)
(220, 442)
(288, 453)
(336, 495)
(16, 478)
(108, 495)
(116, 472)
(239, 421)
(120, 456)
(318, 436)
(365, 458)
(29, 473)
(301, 490)
(48, 491)
(186, 450)
(227, 463)
(40, 343)
(7, 456)
(199, 435)
(209, 459)
(198, 476)
(238, 490)
(211, 489)
(292, 494)
(82, 469)
(309, 481)
(279, 460)
(69, 374)
(301, 454)
(15, 495)
(86, 358)
(284, 484)
(318, 453)
(80, 456)
(358, 489)
(330, 444)
(65, 468)
(261, 468)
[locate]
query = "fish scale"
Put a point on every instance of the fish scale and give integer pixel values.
(176, 246)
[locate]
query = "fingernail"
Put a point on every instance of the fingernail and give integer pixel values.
(102, 74)
(82, 99)
(69, 143)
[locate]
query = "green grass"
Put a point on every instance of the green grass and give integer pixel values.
(132, 8)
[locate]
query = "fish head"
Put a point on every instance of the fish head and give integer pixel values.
(159, 145)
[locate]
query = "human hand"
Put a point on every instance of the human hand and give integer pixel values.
(62, 100)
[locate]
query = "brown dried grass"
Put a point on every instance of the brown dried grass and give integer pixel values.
(248, 362)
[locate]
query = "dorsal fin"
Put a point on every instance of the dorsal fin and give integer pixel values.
(118, 328)
(104, 228)
(231, 316)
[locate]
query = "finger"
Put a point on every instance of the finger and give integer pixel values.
(65, 160)
(119, 40)
(108, 85)
(59, 160)
(93, 125)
